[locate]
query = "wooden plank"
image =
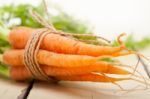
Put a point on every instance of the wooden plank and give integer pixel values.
(10, 89)
(67, 90)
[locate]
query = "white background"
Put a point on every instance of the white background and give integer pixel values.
(108, 17)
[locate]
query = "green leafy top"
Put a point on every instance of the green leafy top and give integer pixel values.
(62, 21)
(108, 60)
(133, 44)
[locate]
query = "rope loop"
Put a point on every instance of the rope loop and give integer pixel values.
(30, 55)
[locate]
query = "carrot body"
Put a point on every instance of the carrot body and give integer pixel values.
(91, 77)
(15, 58)
(57, 71)
(20, 73)
(60, 44)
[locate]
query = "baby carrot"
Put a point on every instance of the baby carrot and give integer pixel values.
(91, 77)
(15, 57)
(53, 42)
(59, 71)
(19, 73)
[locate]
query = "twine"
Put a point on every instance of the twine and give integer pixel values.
(30, 55)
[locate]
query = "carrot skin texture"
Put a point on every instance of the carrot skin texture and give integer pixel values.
(21, 73)
(15, 58)
(91, 77)
(60, 44)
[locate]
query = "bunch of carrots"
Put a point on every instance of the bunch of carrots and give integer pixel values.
(67, 59)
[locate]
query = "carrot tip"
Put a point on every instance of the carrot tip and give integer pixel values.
(119, 39)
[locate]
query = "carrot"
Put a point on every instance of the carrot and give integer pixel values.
(54, 42)
(57, 71)
(15, 57)
(90, 77)
(20, 73)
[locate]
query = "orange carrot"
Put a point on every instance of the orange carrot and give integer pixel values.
(91, 77)
(15, 57)
(20, 73)
(58, 71)
(60, 44)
